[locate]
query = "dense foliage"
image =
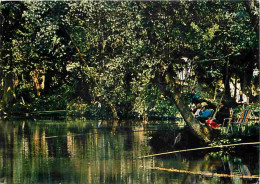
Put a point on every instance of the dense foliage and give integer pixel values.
(117, 56)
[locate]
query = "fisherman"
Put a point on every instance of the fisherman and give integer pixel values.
(199, 111)
(206, 112)
(241, 98)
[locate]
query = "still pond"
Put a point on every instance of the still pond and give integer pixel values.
(95, 151)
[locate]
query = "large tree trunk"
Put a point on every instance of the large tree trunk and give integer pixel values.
(244, 82)
(9, 90)
(252, 7)
(113, 109)
(202, 132)
(226, 79)
(1, 48)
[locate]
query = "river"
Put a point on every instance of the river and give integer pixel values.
(95, 151)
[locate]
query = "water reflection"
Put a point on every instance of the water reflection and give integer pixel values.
(103, 152)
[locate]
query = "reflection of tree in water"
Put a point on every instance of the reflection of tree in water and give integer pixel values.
(93, 152)
(7, 147)
(173, 139)
(229, 161)
(32, 150)
(207, 165)
(57, 147)
(211, 167)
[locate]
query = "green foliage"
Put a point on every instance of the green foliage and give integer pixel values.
(58, 100)
(152, 102)
(117, 53)
(20, 109)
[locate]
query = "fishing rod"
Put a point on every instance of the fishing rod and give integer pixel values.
(208, 174)
(201, 148)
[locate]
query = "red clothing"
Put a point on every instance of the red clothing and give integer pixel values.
(212, 123)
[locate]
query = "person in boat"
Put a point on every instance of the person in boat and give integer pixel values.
(241, 98)
(222, 113)
(206, 112)
(194, 108)
(199, 110)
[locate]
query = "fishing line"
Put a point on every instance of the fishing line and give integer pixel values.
(201, 148)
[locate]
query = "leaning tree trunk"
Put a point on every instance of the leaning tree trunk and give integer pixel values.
(201, 132)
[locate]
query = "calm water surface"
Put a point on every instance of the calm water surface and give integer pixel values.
(85, 151)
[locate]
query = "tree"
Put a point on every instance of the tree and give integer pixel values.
(11, 20)
(126, 55)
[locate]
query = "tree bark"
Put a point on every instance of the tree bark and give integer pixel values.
(113, 109)
(252, 7)
(202, 132)
(244, 82)
(9, 89)
(226, 79)
(1, 48)
(253, 11)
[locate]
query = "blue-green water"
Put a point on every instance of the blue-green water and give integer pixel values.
(86, 151)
